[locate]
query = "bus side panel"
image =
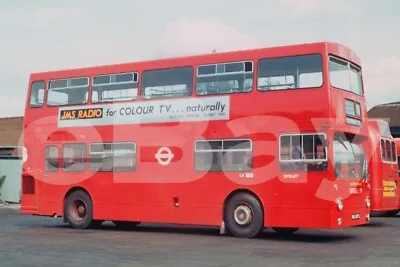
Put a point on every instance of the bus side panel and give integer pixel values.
(376, 183)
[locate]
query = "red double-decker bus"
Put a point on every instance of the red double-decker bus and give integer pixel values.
(383, 169)
(244, 140)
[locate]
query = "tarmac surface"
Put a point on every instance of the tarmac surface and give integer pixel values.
(36, 241)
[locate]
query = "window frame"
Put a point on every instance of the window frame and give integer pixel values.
(302, 138)
(324, 161)
(356, 119)
(93, 85)
(244, 61)
(161, 97)
(46, 163)
(393, 153)
(85, 159)
(68, 79)
(223, 63)
(44, 93)
(250, 150)
(344, 141)
(125, 169)
(349, 64)
(323, 73)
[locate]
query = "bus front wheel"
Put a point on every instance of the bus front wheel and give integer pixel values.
(244, 216)
(78, 210)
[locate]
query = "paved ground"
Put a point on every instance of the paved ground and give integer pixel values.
(34, 241)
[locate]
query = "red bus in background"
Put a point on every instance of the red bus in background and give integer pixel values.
(383, 169)
(397, 142)
(244, 140)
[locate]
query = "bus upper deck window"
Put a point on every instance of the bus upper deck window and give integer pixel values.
(37, 94)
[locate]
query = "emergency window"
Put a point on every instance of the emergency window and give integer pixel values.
(303, 152)
(173, 82)
(113, 157)
(115, 87)
(225, 78)
(291, 72)
(51, 159)
(37, 94)
(223, 155)
(71, 91)
(74, 157)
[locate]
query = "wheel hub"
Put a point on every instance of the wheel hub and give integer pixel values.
(243, 215)
(81, 210)
(78, 210)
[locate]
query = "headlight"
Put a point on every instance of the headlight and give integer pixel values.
(339, 204)
(368, 202)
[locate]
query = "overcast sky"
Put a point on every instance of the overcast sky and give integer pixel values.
(45, 35)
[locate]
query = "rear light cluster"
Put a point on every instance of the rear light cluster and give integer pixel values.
(353, 112)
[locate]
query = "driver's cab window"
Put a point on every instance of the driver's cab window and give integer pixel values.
(349, 158)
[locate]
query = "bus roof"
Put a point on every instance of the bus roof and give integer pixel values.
(295, 49)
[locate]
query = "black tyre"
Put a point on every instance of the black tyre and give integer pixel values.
(125, 224)
(285, 231)
(78, 210)
(244, 216)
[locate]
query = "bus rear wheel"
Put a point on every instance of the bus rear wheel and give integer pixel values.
(78, 210)
(244, 216)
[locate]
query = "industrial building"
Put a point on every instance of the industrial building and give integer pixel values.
(10, 137)
(10, 158)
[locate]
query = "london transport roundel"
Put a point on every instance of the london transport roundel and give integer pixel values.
(164, 156)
